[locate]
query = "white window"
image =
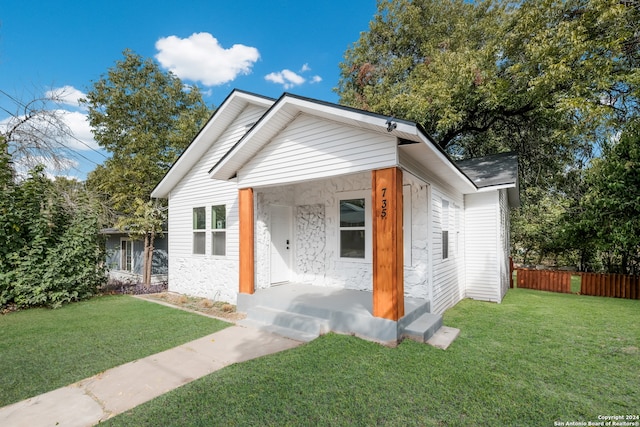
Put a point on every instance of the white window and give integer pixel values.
(354, 225)
(445, 229)
(126, 254)
(218, 230)
(199, 230)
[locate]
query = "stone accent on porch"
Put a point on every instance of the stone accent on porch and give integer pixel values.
(304, 312)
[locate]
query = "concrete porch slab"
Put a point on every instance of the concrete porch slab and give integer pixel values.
(344, 311)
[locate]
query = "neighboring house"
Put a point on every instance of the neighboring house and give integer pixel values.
(124, 257)
(305, 192)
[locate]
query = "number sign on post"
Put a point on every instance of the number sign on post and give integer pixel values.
(388, 289)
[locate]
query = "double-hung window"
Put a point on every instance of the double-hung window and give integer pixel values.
(218, 230)
(352, 228)
(199, 230)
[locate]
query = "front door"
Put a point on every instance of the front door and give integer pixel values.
(281, 244)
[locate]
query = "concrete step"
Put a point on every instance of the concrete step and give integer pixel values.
(423, 327)
(281, 322)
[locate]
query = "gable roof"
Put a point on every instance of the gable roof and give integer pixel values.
(224, 115)
(289, 106)
(415, 145)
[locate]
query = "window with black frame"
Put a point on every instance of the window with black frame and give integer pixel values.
(352, 228)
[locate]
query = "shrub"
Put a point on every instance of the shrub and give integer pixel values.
(52, 253)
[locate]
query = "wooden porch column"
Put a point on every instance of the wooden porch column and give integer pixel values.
(247, 256)
(388, 248)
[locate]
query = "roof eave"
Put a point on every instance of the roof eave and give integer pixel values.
(195, 150)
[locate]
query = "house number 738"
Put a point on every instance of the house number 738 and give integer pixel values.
(383, 213)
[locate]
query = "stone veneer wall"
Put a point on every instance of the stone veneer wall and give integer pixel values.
(417, 274)
(214, 280)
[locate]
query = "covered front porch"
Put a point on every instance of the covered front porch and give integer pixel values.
(303, 312)
(323, 281)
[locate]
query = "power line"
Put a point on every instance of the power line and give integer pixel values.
(64, 131)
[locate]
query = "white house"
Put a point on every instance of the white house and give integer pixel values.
(334, 200)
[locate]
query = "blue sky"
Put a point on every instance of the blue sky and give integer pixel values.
(266, 47)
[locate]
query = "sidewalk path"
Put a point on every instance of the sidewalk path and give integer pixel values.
(119, 389)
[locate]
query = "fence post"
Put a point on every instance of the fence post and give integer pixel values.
(511, 272)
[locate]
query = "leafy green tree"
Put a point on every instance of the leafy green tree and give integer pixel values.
(539, 77)
(145, 224)
(610, 212)
(145, 118)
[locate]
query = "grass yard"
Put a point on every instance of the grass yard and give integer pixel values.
(534, 359)
(43, 349)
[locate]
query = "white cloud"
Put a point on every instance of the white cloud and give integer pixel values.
(201, 58)
(286, 78)
(80, 130)
(289, 79)
(68, 95)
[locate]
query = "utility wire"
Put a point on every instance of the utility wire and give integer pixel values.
(67, 133)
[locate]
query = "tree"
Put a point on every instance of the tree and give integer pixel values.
(36, 133)
(145, 118)
(146, 223)
(610, 210)
(493, 76)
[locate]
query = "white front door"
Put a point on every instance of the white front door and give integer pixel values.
(281, 244)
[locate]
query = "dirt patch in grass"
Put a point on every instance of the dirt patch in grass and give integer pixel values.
(218, 309)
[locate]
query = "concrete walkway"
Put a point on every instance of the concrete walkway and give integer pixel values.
(116, 390)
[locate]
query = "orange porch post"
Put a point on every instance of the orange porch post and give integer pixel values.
(247, 256)
(388, 249)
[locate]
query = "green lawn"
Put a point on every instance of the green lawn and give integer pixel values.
(43, 349)
(534, 359)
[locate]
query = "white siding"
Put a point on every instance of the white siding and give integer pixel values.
(482, 243)
(448, 274)
(311, 148)
(206, 275)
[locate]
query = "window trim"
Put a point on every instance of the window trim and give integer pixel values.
(348, 195)
(216, 230)
(198, 231)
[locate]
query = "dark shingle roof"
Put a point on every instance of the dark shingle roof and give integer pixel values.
(489, 171)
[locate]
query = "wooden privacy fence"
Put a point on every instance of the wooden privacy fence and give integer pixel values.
(610, 285)
(596, 284)
(545, 280)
